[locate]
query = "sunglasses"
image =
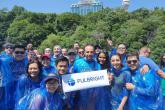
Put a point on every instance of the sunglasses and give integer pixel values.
(9, 47)
(132, 61)
(19, 52)
(81, 52)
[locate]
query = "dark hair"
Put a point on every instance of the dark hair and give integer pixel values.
(39, 66)
(97, 46)
(76, 42)
(19, 46)
(62, 58)
(162, 63)
(132, 54)
(107, 64)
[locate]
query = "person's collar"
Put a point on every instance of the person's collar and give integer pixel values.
(88, 60)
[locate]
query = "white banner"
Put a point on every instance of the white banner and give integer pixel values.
(78, 81)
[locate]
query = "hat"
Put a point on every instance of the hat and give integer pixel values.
(71, 52)
(45, 56)
(51, 76)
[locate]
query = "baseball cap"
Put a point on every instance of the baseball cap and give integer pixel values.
(71, 52)
(45, 56)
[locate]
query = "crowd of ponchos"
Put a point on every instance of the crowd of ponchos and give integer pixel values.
(30, 80)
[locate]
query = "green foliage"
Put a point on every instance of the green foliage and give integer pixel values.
(66, 23)
(23, 32)
(158, 43)
(129, 33)
(53, 39)
(141, 27)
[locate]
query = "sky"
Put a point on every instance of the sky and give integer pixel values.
(60, 6)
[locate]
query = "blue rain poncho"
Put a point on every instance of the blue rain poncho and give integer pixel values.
(68, 98)
(5, 73)
(18, 68)
(103, 98)
(5, 82)
(118, 89)
(41, 99)
(145, 60)
(24, 87)
(83, 65)
(47, 70)
(86, 99)
(147, 93)
(113, 51)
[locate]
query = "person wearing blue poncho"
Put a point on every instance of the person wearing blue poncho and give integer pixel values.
(47, 68)
(121, 75)
(46, 97)
(57, 52)
(27, 83)
(112, 50)
(144, 60)
(103, 96)
(62, 64)
(72, 58)
(86, 99)
(80, 53)
(121, 50)
(5, 75)
(17, 67)
(19, 62)
(144, 90)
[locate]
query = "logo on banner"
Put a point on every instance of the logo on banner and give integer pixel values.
(71, 82)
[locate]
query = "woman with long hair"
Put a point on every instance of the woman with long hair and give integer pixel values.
(121, 75)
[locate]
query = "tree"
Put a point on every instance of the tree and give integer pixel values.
(130, 33)
(67, 23)
(158, 43)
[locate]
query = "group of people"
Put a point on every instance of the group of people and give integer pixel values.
(33, 81)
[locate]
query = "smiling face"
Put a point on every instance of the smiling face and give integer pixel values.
(57, 50)
(102, 58)
(48, 51)
(19, 54)
(46, 62)
(116, 62)
(33, 70)
(81, 52)
(89, 52)
(133, 62)
(52, 85)
(9, 50)
(62, 67)
(121, 49)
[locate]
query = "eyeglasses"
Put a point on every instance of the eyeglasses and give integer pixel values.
(131, 61)
(9, 47)
(19, 52)
(121, 48)
(54, 83)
